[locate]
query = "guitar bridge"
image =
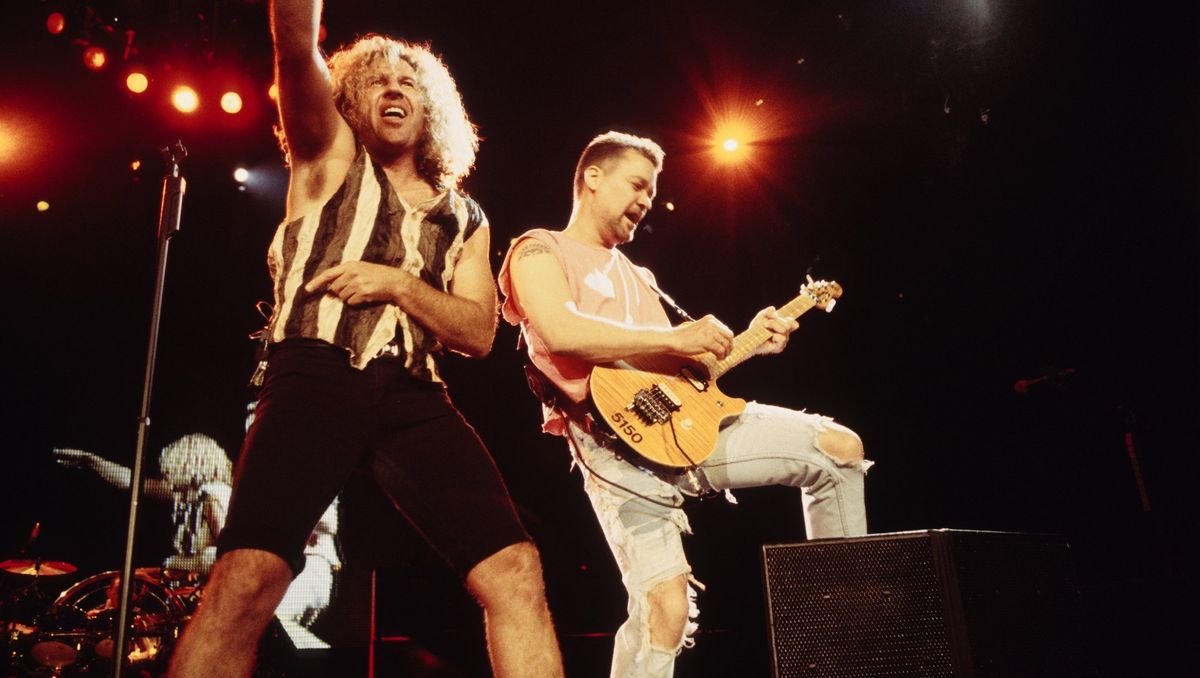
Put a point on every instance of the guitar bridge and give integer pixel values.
(654, 405)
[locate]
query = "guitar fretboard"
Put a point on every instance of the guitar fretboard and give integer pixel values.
(747, 342)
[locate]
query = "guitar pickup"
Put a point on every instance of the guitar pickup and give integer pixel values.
(699, 383)
(673, 400)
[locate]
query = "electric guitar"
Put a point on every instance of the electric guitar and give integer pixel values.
(668, 408)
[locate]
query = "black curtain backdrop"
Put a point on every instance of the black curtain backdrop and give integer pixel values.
(1006, 190)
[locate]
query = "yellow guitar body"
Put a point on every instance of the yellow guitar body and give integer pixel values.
(666, 408)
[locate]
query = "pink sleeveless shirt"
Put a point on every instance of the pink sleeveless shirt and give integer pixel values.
(603, 282)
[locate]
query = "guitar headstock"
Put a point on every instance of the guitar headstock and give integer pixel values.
(824, 293)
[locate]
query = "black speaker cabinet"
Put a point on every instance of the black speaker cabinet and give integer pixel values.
(928, 603)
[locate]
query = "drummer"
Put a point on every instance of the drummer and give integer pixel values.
(196, 477)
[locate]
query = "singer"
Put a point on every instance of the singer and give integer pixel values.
(380, 262)
(579, 303)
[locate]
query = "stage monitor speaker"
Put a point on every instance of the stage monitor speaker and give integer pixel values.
(925, 604)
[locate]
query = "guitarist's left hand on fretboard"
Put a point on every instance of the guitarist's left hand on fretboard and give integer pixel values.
(779, 329)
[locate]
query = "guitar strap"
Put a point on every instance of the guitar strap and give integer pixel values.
(666, 298)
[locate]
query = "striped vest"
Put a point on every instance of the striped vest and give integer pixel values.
(365, 220)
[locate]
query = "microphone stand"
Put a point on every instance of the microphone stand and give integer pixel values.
(168, 225)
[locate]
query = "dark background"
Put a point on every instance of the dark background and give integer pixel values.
(1006, 190)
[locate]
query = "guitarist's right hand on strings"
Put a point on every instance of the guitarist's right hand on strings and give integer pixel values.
(706, 335)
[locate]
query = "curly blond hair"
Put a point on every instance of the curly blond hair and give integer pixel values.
(447, 149)
(195, 456)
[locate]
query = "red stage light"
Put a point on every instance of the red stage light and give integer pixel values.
(56, 23)
(137, 82)
(185, 99)
(231, 102)
(95, 58)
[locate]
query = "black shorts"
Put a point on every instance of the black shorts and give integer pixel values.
(318, 419)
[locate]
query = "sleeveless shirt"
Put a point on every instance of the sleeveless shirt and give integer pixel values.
(604, 283)
(366, 220)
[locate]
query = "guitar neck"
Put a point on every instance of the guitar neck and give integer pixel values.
(747, 342)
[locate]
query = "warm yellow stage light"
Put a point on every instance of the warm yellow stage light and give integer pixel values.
(42, 205)
(231, 102)
(137, 82)
(95, 58)
(273, 92)
(731, 141)
(135, 165)
(241, 174)
(185, 99)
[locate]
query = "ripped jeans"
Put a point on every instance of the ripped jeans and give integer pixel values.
(765, 445)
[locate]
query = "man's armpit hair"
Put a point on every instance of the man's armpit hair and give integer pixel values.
(532, 249)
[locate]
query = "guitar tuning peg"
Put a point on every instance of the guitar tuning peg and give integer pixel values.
(829, 305)
(808, 277)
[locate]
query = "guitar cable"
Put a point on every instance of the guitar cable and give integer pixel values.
(575, 452)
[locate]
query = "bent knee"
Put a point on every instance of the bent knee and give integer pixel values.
(248, 581)
(253, 570)
(843, 445)
(514, 571)
(668, 602)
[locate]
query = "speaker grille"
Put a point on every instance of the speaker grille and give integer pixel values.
(870, 607)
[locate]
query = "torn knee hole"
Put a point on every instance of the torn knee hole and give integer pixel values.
(844, 448)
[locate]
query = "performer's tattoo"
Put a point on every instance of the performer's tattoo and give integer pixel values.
(532, 249)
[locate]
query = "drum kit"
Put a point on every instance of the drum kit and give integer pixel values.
(71, 634)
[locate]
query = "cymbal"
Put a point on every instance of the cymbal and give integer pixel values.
(45, 568)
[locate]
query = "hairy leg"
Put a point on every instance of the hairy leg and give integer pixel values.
(520, 634)
(239, 601)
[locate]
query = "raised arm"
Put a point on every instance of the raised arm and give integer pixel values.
(110, 472)
(463, 320)
(541, 289)
(310, 120)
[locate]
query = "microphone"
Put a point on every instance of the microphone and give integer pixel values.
(1023, 385)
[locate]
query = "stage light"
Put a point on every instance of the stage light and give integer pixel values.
(731, 142)
(241, 174)
(56, 23)
(135, 165)
(185, 99)
(231, 102)
(137, 82)
(669, 206)
(42, 205)
(273, 92)
(8, 141)
(95, 58)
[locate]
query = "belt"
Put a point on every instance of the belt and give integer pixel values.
(388, 350)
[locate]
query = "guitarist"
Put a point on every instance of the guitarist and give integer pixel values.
(580, 302)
